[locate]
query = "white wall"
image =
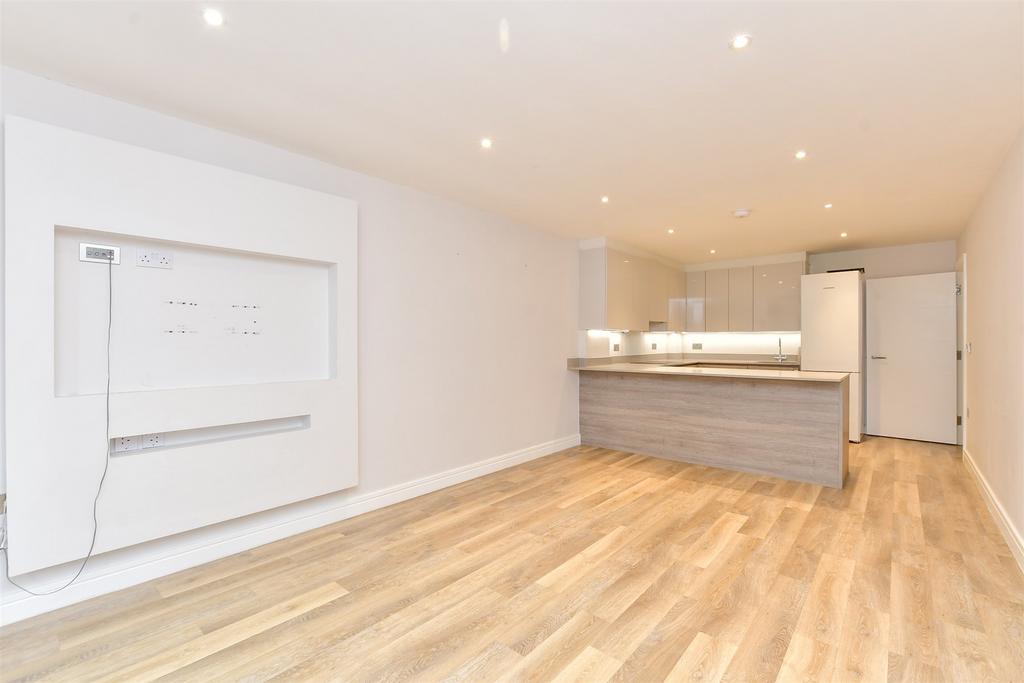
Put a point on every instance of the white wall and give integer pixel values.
(746, 343)
(994, 245)
(465, 323)
(908, 259)
(600, 343)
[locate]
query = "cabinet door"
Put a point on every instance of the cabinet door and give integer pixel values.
(676, 300)
(695, 302)
(593, 289)
(741, 299)
(716, 301)
(620, 291)
(645, 286)
(657, 292)
(777, 297)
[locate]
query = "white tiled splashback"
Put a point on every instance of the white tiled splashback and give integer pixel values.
(601, 343)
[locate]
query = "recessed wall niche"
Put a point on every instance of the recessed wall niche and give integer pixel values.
(186, 316)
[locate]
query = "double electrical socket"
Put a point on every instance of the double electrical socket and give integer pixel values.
(134, 443)
(154, 259)
(126, 443)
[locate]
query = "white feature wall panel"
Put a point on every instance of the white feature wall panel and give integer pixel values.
(213, 318)
(237, 239)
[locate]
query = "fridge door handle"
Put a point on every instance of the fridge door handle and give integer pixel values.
(878, 358)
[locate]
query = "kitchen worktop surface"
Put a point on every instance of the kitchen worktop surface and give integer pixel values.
(647, 368)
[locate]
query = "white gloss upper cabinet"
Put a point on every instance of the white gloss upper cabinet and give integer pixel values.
(777, 296)
(656, 292)
(621, 291)
(741, 299)
(625, 288)
(676, 300)
(716, 301)
(695, 291)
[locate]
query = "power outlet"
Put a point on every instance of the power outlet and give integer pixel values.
(151, 441)
(126, 443)
(154, 259)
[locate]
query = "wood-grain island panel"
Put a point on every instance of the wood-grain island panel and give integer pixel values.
(790, 429)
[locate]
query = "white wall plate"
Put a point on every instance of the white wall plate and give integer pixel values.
(87, 253)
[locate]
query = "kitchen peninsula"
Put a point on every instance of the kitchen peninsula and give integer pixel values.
(779, 422)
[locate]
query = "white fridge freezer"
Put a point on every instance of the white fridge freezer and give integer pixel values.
(832, 332)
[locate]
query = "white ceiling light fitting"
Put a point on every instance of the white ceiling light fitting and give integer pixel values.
(741, 213)
(800, 154)
(503, 35)
(842, 234)
(671, 231)
(829, 205)
(604, 200)
(712, 251)
(740, 41)
(213, 17)
(486, 143)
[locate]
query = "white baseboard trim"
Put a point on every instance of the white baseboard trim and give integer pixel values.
(126, 568)
(1011, 533)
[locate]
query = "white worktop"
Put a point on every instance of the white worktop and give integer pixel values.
(735, 373)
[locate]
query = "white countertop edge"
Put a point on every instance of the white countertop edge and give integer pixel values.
(735, 373)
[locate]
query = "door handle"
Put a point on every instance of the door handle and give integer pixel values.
(878, 358)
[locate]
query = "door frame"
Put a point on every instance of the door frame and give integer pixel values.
(870, 370)
(964, 346)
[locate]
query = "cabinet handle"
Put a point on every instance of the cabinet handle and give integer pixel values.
(878, 357)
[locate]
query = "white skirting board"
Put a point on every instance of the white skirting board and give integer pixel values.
(136, 565)
(1013, 536)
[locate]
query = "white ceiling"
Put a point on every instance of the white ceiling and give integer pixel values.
(906, 109)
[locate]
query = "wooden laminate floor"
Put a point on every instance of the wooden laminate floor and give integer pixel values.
(588, 565)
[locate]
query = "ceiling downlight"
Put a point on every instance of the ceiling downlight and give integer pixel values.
(213, 17)
(740, 41)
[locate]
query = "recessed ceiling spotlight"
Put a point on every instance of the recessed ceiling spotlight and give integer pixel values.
(829, 205)
(741, 213)
(604, 200)
(503, 34)
(842, 234)
(486, 143)
(740, 41)
(801, 154)
(671, 231)
(712, 251)
(213, 17)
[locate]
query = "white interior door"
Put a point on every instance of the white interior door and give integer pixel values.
(911, 364)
